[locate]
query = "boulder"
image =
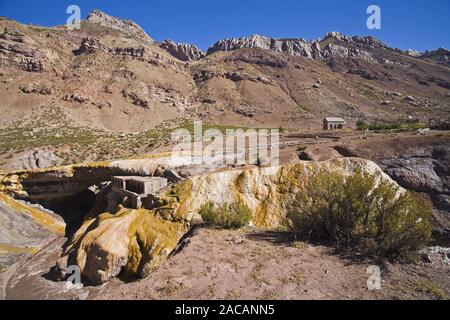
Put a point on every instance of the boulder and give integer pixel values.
(36, 159)
(442, 202)
(136, 98)
(132, 242)
(415, 174)
(36, 89)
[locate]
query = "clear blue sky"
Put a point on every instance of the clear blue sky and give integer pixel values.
(417, 24)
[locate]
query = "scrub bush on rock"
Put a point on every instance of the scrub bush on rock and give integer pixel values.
(361, 212)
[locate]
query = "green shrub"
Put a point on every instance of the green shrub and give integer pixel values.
(362, 211)
(229, 215)
(361, 125)
(377, 126)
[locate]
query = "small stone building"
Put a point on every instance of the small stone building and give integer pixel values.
(139, 191)
(333, 123)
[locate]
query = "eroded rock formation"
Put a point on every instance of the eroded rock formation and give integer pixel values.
(182, 51)
(345, 46)
(134, 242)
(19, 51)
(24, 229)
(125, 26)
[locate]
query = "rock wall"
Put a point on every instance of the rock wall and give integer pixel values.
(19, 51)
(90, 45)
(24, 229)
(59, 182)
(182, 51)
(345, 47)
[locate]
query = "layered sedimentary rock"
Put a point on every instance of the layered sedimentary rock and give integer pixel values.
(24, 229)
(345, 46)
(91, 45)
(125, 26)
(59, 182)
(233, 76)
(182, 51)
(19, 51)
(296, 47)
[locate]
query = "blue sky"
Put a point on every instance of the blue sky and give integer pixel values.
(417, 24)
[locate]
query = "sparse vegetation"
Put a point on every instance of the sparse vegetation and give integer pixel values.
(229, 215)
(363, 212)
(378, 126)
(429, 287)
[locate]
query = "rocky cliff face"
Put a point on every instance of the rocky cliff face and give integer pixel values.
(300, 47)
(125, 26)
(426, 170)
(90, 45)
(18, 50)
(36, 159)
(439, 56)
(296, 47)
(24, 229)
(67, 181)
(182, 51)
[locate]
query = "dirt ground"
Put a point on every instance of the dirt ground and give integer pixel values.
(250, 264)
(268, 265)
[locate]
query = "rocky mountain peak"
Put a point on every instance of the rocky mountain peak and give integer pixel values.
(182, 51)
(337, 36)
(368, 42)
(440, 56)
(344, 46)
(253, 41)
(413, 53)
(126, 26)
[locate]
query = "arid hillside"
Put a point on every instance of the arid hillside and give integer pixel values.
(109, 90)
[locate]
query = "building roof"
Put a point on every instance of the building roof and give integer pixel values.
(334, 119)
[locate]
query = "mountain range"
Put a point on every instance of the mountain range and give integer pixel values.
(112, 77)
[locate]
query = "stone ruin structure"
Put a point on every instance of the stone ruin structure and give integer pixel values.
(333, 123)
(139, 192)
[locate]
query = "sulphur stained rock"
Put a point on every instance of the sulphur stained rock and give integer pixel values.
(24, 229)
(264, 190)
(134, 242)
(131, 242)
